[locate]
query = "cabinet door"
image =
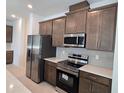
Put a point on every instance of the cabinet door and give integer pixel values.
(45, 28)
(57, 40)
(9, 57)
(50, 74)
(84, 85)
(76, 22)
(101, 29)
(99, 88)
(9, 31)
(47, 69)
(58, 32)
(107, 29)
(53, 75)
(49, 27)
(80, 19)
(70, 24)
(42, 28)
(93, 24)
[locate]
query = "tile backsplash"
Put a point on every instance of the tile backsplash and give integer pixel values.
(99, 58)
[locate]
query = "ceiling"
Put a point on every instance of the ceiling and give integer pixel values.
(43, 8)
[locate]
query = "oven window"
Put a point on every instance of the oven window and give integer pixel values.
(81, 40)
(70, 40)
(66, 79)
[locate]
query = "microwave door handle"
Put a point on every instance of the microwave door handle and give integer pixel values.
(77, 40)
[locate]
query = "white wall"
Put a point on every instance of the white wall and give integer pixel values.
(21, 28)
(54, 16)
(19, 42)
(102, 3)
(33, 24)
(115, 66)
(93, 5)
(9, 22)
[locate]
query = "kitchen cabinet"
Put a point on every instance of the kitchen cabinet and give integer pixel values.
(9, 57)
(84, 85)
(9, 32)
(45, 28)
(101, 29)
(93, 21)
(91, 83)
(76, 22)
(58, 31)
(50, 72)
(99, 88)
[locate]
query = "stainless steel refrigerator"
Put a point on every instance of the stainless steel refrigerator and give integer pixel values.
(39, 47)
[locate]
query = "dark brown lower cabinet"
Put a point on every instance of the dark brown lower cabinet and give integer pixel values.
(9, 57)
(99, 88)
(84, 86)
(50, 72)
(90, 83)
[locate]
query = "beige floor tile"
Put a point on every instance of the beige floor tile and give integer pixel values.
(19, 73)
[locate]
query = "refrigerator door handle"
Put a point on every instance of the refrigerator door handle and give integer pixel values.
(29, 53)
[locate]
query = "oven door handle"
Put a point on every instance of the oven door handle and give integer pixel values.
(68, 71)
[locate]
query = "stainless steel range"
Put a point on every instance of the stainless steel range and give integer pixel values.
(68, 73)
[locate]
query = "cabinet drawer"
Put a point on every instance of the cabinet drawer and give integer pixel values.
(95, 78)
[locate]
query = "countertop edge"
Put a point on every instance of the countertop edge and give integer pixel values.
(97, 73)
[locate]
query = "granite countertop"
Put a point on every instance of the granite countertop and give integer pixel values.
(9, 50)
(54, 59)
(101, 71)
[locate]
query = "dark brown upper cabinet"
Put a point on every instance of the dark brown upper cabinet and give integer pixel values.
(58, 31)
(101, 26)
(76, 22)
(45, 28)
(9, 32)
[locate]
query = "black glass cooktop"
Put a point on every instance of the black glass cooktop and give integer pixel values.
(70, 64)
(73, 64)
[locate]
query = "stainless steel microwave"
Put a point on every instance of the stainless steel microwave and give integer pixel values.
(75, 40)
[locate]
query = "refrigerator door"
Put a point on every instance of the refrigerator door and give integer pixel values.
(29, 56)
(35, 69)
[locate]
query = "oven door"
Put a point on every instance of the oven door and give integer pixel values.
(67, 82)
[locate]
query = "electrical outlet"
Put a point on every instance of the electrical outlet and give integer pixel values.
(97, 57)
